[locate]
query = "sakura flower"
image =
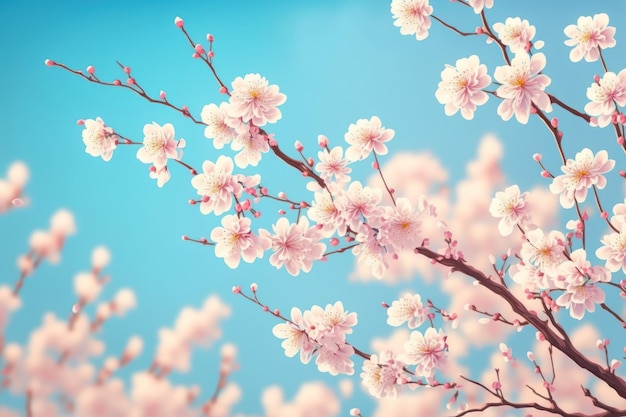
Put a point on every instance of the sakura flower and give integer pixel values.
(408, 308)
(588, 36)
(412, 17)
(428, 351)
(217, 184)
(331, 324)
(479, 5)
(159, 145)
(217, 126)
(333, 165)
(605, 95)
(580, 175)
(370, 252)
(530, 277)
(510, 205)
(382, 374)
(461, 87)
(295, 245)
(335, 359)
(324, 211)
(296, 337)
(522, 87)
(251, 146)
(366, 136)
(544, 251)
(400, 226)
(234, 241)
(359, 201)
(578, 278)
(253, 100)
(614, 250)
(162, 175)
(515, 33)
(99, 139)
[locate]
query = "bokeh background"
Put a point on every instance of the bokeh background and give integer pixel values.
(337, 61)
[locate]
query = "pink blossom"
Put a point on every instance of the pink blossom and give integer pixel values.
(331, 324)
(428, 351)
(479, 5)
(515, 33)
(359, 201)
(333, 167)
(102, 400)
(400, 226)
(159, 145)
(218, 184)
(370, 252)
(605, 95)
(366, 136)
(335, 359)
(324, 211)
(162, 175)
(588, 36)
(409, 309)
(530, 277)
(412, 17)
(544, 251)
(381, 374)
(217, 124)
(295, 245)
(296, 337)
(253, 100)
(580, 175)
(614, 250)
(87, 286)
(251, 146)
(99, 139)
(511, 207)
(522, 86)
(461, 87)
(235, 241)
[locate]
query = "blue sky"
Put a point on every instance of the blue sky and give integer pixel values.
(337, 61)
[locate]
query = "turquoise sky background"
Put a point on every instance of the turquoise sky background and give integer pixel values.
(337, 61)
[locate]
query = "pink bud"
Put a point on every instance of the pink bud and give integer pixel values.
(211, 54)
(596, 78)
(355, 412)
(479, 30)
(554, 122)
(91, 70)
(162, 95)
(223, 90)
(237, 289)
(620, 140)
(184, 237)
(392, 190)
(384, 305)
(127, 70)
(537, 157)
(540, 337)
(604, 215)
(374, 165)
(303, 204)
(179, 22)
(322, 141)
(310, 161)
(545, 174)
(254, 286)
(209, 37)
(496, 385)
(266, 309)
(192, 202)
(49, 62)
(185, 110)
(203, 240)
(282, 212)
(257, 214)
(130, 81)
(195, 55)
(80, 122)
(199, 49)
(298, 145)
(282, 195)
(277, 312)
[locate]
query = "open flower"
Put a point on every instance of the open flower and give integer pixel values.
(366, 136)
(217, 185)
(522, 86)
(580, 174)
(99, 139)
(412, 17)
(608, 92)
(461, 87)
(235, 241)
(159, 145)
(428, 351)
(510, 205)
(515, 33)
(588, 36)
(254, 100)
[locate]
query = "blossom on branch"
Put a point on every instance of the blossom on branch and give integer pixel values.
(461, 87)
(99, 139)
(382, 374)
(479, 5)
(217, 185)
(235, 241)
(428, 351)
(580, 174)
(614, 249)
(253, 100)
(605, 95)
(333, 167)
(511, 206)
(522, 87)
(159, 145)
(412, 17)
(366, 136)
(515, 33)
(217, 127)
(409, 309)
(588, 36)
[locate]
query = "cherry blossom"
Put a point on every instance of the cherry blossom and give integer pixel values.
(331, 324)
(479, 5)
(99, 139)
(295, 245)
(253, 100)
(366, 136)
(217, 124)
(235, 241)
(400, 226)
(530, 277)
(218, 185)
(381, 374)
(296, 337)
(370, 252)
(335, 359)
(515, 33)
(613, 250)
(412, 17)
(511, 207)
(333, 167)
(359, 201)
(251, 146)
(159, 145)
(588, 36)
(428, 351)
(522, 87)
(162, 175)
(461, 87)
(580, 174)
(605, 95)
(324, 211)
(578, 278)
(409, 309)
(544, 251)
